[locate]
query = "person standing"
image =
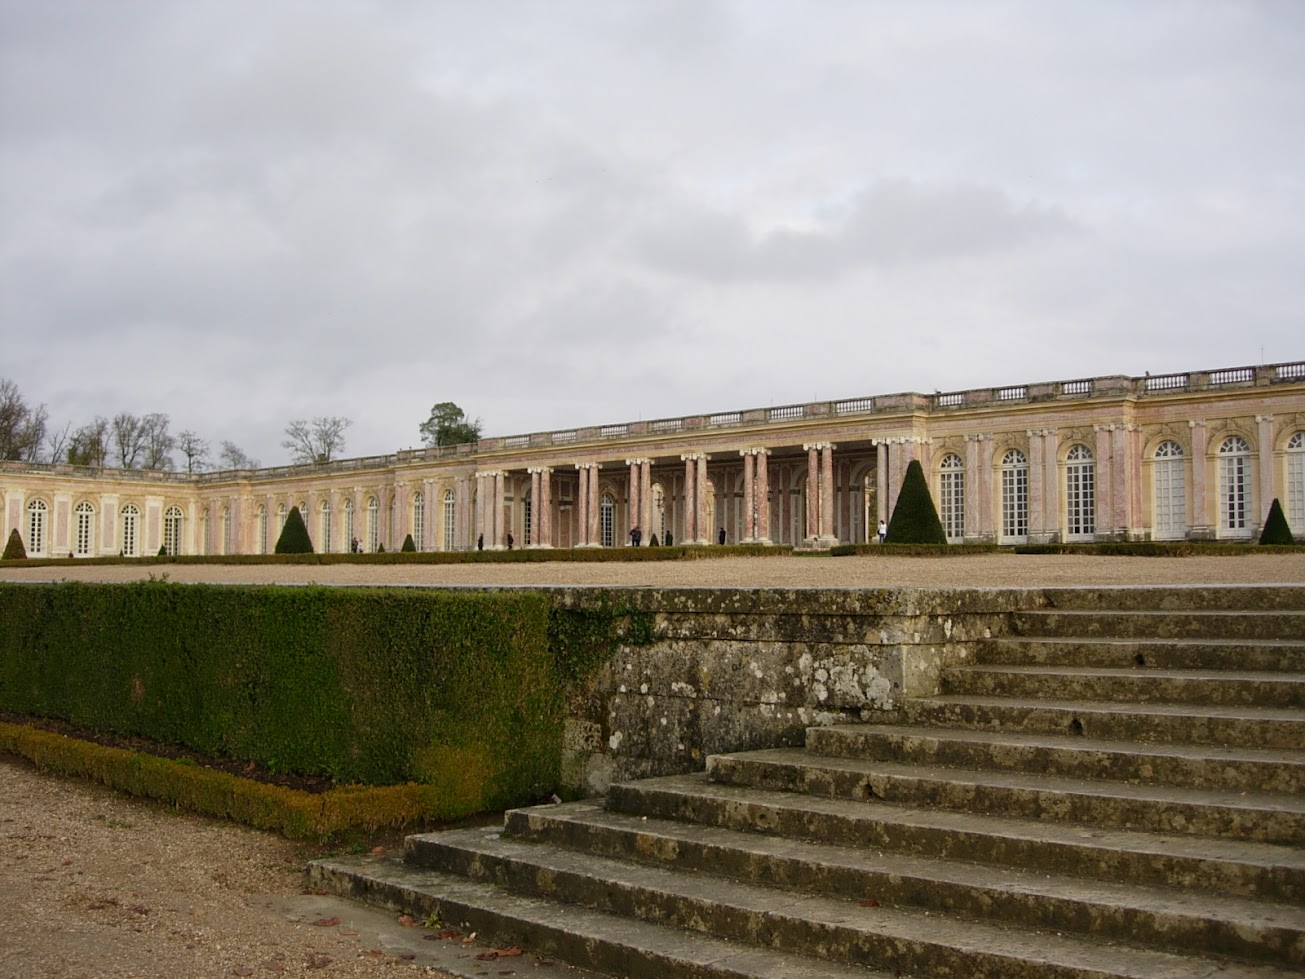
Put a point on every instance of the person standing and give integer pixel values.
(720, 538)
(883, 531)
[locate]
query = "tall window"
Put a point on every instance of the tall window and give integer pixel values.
(204, 545)
(1170, 478)
(659, 512)
(281, 514)
(326, 526)
(226, 530)
(85, 533)
(1014, 497)
(1296, 483)
(419, 520)
(373, 524)
(607, 520)
(172, 530)
(448, 520)
(260, 519)
(951, 496)
(1235, 487)
(1080, 493)
(36, 514)
(527, 510)
(350, 525)
(130, 530)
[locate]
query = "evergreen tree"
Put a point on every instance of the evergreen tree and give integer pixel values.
(408, 544)
(294, 537)
(14, 550)
(915, 518)
(1275, 529)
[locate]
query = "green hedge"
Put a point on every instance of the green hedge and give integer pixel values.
(457, 692)
(1157, 548)
(520, 556)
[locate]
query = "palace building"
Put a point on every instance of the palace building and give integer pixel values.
(1198, 455)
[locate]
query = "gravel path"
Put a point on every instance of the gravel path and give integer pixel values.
(96, 885)
(867, 571)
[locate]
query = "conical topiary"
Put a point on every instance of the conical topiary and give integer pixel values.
(408, 544)
(294, 537)
(1275, 529)
(14, 550)
(915, 519)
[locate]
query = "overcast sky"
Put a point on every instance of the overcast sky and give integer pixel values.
(571, 213)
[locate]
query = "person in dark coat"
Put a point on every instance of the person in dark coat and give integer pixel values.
(720, 538)
(480, 542)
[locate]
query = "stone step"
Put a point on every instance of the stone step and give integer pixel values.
(1213, 924)
(607, 943)
(839, 929)
(1266, 817)
(1250, 727)
(1206, 767)
(1116, 624)
(1232, 866)
(1179, 597)
(1164, 654)
(1133, 684)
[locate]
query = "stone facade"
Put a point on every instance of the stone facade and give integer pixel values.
(1199, 455)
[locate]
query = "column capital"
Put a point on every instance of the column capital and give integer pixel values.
(586, 465)
(544, 470)
(756, 451)
(692, 456)
(1196, 423)
(818, 446)
(979, 437)
(1264, 418)
(636, 462)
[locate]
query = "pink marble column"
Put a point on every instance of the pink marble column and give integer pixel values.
(632, 497)
(827, 491)
(1265, 454)
(749, 500)
(1119, 482)
(645, 499)
(582, 505)
(689, 527)
(545, 507)
(1052, 480)
(1199, 520)
(480, 509)
(973, 478)
(1041, 524)
(813, 493)
(706, 534)
(1105, 496)
(534, 508)
(594, 539)
(987, 509)
(881, 483)
(500, 524)
(761, 490)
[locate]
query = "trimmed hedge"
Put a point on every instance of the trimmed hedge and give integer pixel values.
(14, 549)
(294, 537)
(455, 691)
(1276, 531)
(294, 813)
(527, 556)
(915, 518)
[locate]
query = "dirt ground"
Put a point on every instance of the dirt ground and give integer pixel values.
(96, 885)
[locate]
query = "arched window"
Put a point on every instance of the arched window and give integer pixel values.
(36, 521)
(281, 514)
(1080, 493)
(1014, 497)
(350, 525)
(449, 525)
(607, 520)
(226, 530)
(85, 531)
(130, 530)
(260, 528)
(1296, 483)
(1170, 479)
(172, 530)
(204, 544)
(326, 526)
(951, 496)
(373, 524)
(1235, 487)
(419, 520)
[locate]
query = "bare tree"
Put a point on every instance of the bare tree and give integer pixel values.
(58, 442)
(159, 442)
(22, 427)
(129, 438)
(89, 445)
(234, 457)
(316, 441)
(195, 449)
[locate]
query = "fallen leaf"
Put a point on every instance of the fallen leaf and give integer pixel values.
(139, 909)
(510, 952)
(449, 933)
(378, 851)
(869, 903)
(242, 970)
(348, 932)
(274, 965)
(408, 921)
(316, 960)
(330, 922)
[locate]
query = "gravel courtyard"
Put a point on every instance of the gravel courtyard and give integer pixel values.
(96, 885)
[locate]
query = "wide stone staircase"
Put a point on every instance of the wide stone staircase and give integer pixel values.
(1112, 789)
